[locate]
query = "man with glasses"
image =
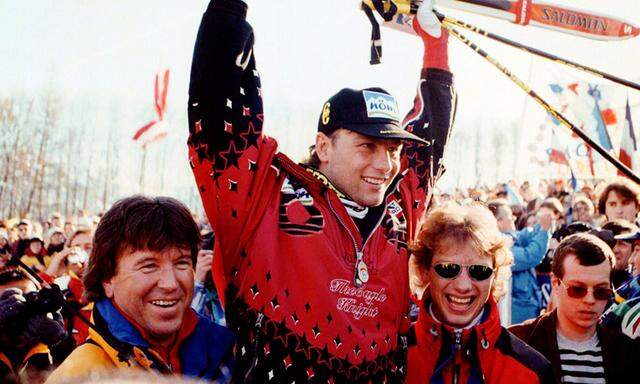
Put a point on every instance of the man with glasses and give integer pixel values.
(462, 261)
(570, 336)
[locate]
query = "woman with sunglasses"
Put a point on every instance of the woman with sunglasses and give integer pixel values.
(462, 261)
(579, 348)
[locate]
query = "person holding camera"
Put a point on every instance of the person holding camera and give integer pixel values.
(72, 259)
(30, 327)
(140, 277)
(205, 295)
(66, 269)
(56, 241)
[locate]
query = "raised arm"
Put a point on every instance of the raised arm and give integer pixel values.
(529, 249)
(228, 153)
(225, 105)
(434, 108)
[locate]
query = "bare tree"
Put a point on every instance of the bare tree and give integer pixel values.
(87, 182)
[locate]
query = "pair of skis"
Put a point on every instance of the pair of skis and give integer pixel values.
(538, 13)
(549, 16)
(399, 14)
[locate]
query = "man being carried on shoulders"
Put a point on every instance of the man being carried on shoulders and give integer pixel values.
(311, 259)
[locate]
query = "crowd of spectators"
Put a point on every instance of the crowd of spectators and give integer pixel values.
(533, 221)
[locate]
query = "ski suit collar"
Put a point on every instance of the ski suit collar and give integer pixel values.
(487, 330)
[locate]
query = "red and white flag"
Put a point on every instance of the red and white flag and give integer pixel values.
(155, 130)
(628, 145)
(558, 150)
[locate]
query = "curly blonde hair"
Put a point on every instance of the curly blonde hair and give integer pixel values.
(463, 223)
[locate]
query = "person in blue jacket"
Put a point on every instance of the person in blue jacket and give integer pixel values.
(529, 247)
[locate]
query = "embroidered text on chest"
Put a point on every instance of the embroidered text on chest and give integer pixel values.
(358, 302)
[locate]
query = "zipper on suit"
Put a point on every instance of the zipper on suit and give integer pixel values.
(456, 366)
(256, 346)
(386, 206)
(361, 274)
(375, 227)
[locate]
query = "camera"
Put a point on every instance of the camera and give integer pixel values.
(43, 301)
(46, 300)
(79, 256)
(208, 240)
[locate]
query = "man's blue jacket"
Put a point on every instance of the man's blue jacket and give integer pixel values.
(529, 248)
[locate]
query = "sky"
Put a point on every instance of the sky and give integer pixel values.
(101, 54)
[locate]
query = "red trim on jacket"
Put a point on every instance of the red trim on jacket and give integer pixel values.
(169, 355)
(496, 366)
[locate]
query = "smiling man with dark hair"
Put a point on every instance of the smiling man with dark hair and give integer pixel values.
(141, 277)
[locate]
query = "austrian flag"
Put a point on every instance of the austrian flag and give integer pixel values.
(155, 130)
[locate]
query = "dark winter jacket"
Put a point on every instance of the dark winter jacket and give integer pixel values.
(620, 354)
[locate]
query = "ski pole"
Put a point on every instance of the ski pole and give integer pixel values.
(559, 116)
(458, 23)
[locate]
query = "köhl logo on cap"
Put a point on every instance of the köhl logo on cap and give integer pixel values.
(381, 105)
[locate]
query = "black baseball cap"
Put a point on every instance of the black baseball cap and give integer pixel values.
(371, 112)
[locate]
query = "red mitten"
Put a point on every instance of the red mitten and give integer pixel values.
(436, 53)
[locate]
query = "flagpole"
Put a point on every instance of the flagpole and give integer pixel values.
(164, 160)
(534, 51)
(560, 117)
(142, 168)
(604, 135)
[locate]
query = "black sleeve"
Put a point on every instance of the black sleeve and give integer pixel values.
(431, 118)
(225, 104)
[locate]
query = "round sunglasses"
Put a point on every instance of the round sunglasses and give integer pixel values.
(477, 272)
(579, 291)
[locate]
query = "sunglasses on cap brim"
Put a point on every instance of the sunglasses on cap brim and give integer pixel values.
(477, 272)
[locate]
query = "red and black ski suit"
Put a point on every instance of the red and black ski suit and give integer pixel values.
(285, 245)
(484, 353)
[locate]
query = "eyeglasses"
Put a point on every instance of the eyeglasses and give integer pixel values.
(477, 272)
(578, 291)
